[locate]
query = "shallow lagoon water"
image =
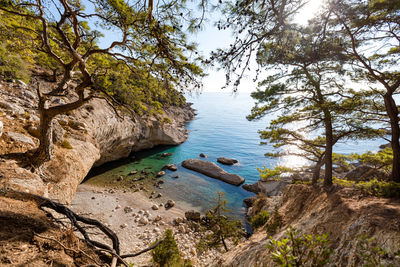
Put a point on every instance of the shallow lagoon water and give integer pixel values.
(219, 129)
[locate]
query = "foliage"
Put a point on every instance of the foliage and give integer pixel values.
(12, 66)
(381, 160)
(298, 249)
(221, 226)
(274, 223)
(377, 188)
(66, 144)
(274, 174)
(167, 252)
(371, 254)
(259, 219)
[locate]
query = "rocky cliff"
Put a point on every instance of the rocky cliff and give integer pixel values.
(89, 136)
(341, 213)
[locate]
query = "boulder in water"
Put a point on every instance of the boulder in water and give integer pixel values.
(227, 161)
(212, 170)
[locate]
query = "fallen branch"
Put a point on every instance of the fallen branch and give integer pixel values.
(142, 251)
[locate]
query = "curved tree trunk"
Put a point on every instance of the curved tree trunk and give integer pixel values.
(317, 170)
(43, 152)
(393, 114)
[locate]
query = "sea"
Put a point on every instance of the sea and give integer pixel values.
(220, 129)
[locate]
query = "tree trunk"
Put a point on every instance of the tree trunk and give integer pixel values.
(223, 242)
(328, 149)
(54, 76)
(43, 152)
(317, 170)
(393, 114)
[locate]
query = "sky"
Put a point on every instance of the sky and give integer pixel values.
(211, 38)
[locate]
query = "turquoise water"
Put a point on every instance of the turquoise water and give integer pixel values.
(219, 129)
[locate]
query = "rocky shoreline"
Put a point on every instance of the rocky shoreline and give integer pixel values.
(90, 136)
(131, 216)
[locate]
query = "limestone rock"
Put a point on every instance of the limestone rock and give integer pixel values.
(154, 207)
(161, 173)
(14, 108)
(21, 138)
(170, 203)
(364, 173)
(192, 215)
(128, 209)
(1, 128)
(227, 161)
(212, 170)
(269, 188)
(143, 221)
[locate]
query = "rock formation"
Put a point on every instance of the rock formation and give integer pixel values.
(212, 170)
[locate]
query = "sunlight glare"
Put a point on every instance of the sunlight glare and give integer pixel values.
(309, 10)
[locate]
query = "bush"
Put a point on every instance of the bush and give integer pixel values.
(12, 66)
(380, 188)
(66, 144)
(259, 219)
(167, 252)
(300, 250)
(371, 254)
(275, 222)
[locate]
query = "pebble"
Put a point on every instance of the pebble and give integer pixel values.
(154, 207)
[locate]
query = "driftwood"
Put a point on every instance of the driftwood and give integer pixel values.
(76, 221)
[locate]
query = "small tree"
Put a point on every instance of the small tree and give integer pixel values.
(167, 252)
(222, 227)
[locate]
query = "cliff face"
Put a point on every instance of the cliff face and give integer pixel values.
(342, 214)
(95, 133)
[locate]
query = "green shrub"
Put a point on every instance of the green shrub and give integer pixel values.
(380, 188)
(274, 223)
(12, 66)
(167, 252)
(370, 254)
(298, 249)
(259, 219)
(66, 144)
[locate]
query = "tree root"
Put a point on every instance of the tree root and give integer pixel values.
(75, 220)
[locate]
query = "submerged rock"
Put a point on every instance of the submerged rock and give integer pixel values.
(227, 161)
(212, 170)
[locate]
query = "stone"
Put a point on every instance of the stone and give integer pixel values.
(132, 172)
(159, 195)
(365, 173)
(143, 221)
(227, 161)
(249, 201)
(192, 215)
(118, 207)
(160, 173)
(385, 146)
(170, 167)
(29, 94)
(212, 170)
(269, 188)
(33, 130)
(123, 225)
(166, 154)
(20, 138)
(120, 178)
(1, 128)
(170, 203)
(157, 218)
(176, 176)
(154, 207)
(128, 209)
(12, 107)
(202, 155)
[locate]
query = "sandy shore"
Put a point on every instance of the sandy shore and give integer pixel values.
(137, 224)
